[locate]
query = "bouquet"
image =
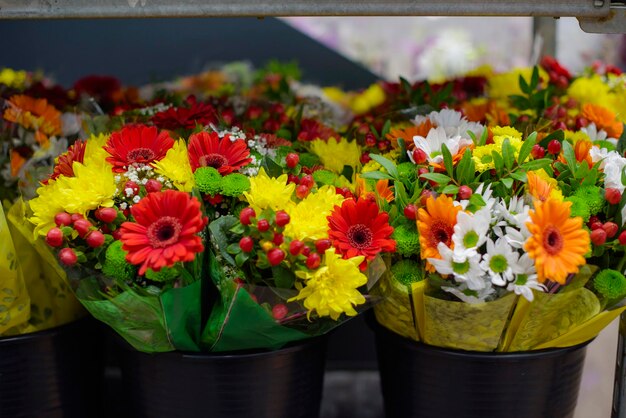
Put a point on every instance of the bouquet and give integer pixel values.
(508, 212)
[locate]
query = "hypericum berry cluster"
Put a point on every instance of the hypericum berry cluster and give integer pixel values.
(74, 234)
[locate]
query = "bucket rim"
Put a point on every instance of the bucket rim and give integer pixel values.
(45, 333)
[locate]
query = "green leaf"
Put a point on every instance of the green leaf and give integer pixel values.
(508, 182)
(534, 79)
(559, 135)
(483, 137)
(241, 258)
(283, 278)
(402, 199)
(447, 159)
(438, 178)
(376, 175)
(477, 200)
(233, 248)
(271, 167)
(508, 154)
(527, 147)
(537, 164)
(570, 156)
(523, 85)
(497, 161)
(519, 176)
(450, 189)
(386, 128)
(388, 164)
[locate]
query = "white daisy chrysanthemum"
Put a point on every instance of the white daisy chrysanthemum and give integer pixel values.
(498, 262)
(431, 145)
(596, 134)
(463, 266)
(453, 122)
(470, 231)
(525, 279)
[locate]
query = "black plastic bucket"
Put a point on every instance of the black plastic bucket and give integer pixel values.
(56, 373)
(285, 383)
(423, 381)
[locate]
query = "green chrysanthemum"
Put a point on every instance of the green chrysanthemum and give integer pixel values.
(407, 171)
(208, 180)
(592, 196)
(579, 207)
(235, 184)
(309, 160)
(407, 239)
(324, 177)
(611, 284)
(407, 272)
(166, 274)
(115, 264)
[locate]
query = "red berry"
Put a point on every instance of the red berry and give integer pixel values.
(383, 145)
(282, 218)
(263, 225)
(598, 236)
(95, 239)
(370, 139)
(106, 215)
(246, 244)
(245, 216)
(581, 122)
(295, 247)
(153, 185)
(292, 178)
(77, 216)
(421, 171)
(131, 188)
(365, 158)
(410, 212)
(558, 125)
(62, 219)
(254, 112)
(278, 238)
(622, 238)
(465, 192)
(82, 226)
(292, 159)
(554, 147)
(592, 219)
(419, 156)
(306, 251)
(425, 195)
(68, 257)
(613, 196)
(610, 228)
(538, 151)
(275, 256)
(596, 225)
(279, 311)
(313, 261)
(307, 181)
(54, 237)
(117, 234)
(322, 245)
(302, 191)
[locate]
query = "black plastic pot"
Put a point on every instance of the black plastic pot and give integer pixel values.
(285, 383)
(56, 373)
(423, 381)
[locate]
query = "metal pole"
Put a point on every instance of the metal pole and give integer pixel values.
(619, 386)
(544, 34)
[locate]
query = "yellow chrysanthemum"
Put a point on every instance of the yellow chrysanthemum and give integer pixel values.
(503, 85)
(484, 70)
(337, 154)
(373, 96)
(506, 131)
(268, 192)
(90, 188)
(372, 165)
(94, 151)
(589, 90)
(483, 160)
(175, 166)
(331, 290)
(308, 217)
(574, 137)
(12, 78)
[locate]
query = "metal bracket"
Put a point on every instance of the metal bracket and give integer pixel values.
(613, 22)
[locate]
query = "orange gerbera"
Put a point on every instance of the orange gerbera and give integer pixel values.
(383, 190)
(408, 133)
(604, 119)
(436, 224)
(581, 150)
(538, 188)
(34, 114)
(558, 242)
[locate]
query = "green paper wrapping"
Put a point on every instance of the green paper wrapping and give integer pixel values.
(396, 311)
(181, 308)
(465, 326)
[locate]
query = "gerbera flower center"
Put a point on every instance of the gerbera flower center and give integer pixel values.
(360, 236)
(440, 232)
(213, 160)
(552, 240)
(164, 232)
(140, 155)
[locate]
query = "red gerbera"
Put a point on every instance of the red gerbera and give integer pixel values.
(310, 130)
(165, 230)
(137, 144)
(359, 228)
(209, 150)
(64, 164)
(197, 113)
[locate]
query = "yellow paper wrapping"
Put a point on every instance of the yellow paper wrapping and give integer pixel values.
(52, 302)
(466, 326)
(395, 311)
(551, 316)
(14, 299)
